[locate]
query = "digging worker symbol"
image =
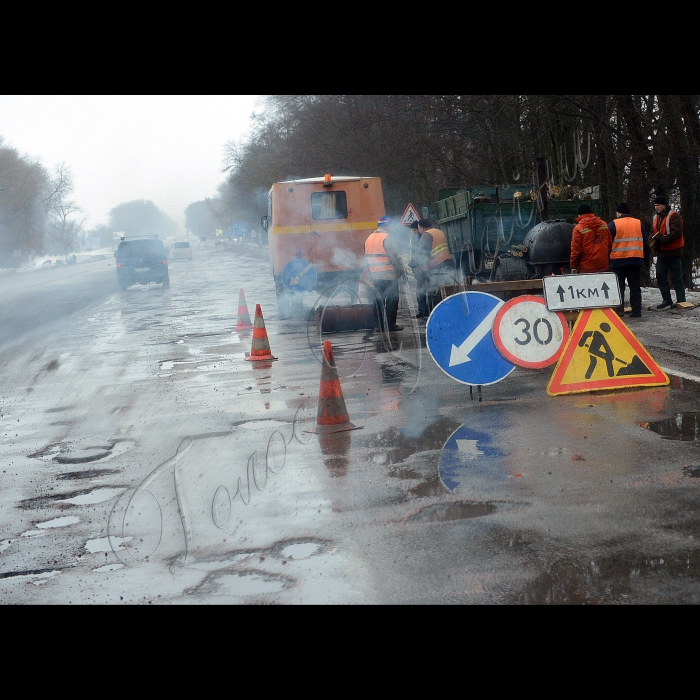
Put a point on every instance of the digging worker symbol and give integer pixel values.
(598, 348)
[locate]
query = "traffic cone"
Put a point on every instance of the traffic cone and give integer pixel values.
(260, 349)
(363, 296)
(243, 321)
(332, 416)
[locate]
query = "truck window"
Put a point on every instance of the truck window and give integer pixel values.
(329, 205)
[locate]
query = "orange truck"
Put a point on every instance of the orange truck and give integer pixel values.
(317, 229)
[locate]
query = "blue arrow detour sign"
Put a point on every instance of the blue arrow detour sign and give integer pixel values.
(460, 339)
(299, 275)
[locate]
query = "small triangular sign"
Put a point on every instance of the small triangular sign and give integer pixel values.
(410, 215)
(603, 354)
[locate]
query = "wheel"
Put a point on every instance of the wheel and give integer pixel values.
(166, 282)
(123, 285)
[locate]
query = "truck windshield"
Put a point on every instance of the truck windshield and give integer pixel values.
(329, 205)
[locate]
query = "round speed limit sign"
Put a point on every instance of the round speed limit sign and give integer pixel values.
(528, 334)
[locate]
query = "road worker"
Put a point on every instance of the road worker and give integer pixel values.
(434, 257)
(413, 242)
(630, 252)
(385, 266)
(590, 242)
(668, 243)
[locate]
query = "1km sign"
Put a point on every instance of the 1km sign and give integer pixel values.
(527, 334)
(595, 290)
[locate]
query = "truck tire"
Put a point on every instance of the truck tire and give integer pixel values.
(123, 285)
(166, 282)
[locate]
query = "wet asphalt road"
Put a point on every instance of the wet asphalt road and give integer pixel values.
(145, 461)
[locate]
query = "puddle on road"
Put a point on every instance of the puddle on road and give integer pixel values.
(58, 522)
(33, 533)
(82, 455)
(244, 583)
(683, 426)
(623, 577)
(36, 576)
(108, 567)
(95, 496)
(395, 445)
(302, 550)
(4, 545)
(87, 474)
(453, 511)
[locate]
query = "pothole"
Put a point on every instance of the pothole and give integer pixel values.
(683, 426)
(81, 455)
(81, 497)
(241, 583)
(94, 496)
(58, 522)
(87, 474)
(442, 512)
(691, 471)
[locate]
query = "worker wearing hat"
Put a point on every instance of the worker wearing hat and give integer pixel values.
(590, 242)
(434, 257)
(385, 266)
(630, 252)
(667, 238)
(418, 273)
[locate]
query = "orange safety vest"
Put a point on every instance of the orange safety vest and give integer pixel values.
(666, 229)
(376, 253)
(440, 250)
(628, 241)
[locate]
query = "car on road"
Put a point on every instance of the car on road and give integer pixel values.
(141, 261)
(181, 250)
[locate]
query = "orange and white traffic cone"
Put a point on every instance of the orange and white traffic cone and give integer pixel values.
(332, 416)
(243, 321)
(260, 349)
(363, 296)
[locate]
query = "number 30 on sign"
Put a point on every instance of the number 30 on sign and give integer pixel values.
(527, 334)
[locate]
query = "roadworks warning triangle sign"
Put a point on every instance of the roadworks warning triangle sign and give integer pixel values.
(602, 354)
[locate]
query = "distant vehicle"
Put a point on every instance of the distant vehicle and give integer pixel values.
(203, 238)
(140, 261)
(181, 251)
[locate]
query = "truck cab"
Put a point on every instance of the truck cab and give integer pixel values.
(317, 228)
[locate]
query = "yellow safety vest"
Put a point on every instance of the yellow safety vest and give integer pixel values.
(440, 250)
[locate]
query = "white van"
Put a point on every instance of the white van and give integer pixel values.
(180, 250)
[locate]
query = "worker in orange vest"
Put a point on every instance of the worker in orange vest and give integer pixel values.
(590, 242)
(668, 237)
(385, 266)
(434, 257)
(630, 252)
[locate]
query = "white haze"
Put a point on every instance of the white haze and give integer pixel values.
(163, 148)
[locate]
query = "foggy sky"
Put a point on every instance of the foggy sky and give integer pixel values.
(166, 148)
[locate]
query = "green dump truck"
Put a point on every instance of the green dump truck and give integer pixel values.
(511, 232)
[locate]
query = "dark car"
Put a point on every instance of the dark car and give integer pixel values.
(140, 261)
